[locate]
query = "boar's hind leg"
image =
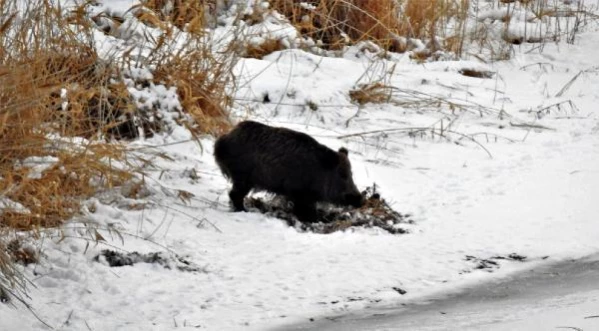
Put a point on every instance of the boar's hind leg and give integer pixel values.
(237, 193)
(305, 210)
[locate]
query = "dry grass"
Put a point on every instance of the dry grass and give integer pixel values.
(337, 23)
(202, 82)
(371, 93)
(185, 15)
(53, 87)
(57, 103)
(10, 277)
(60, 103)
(184, 56)
(425, 18)
(258, 51)
(203, 77)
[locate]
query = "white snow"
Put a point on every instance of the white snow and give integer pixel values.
(482, 173)
(37, 164)
(8, 204)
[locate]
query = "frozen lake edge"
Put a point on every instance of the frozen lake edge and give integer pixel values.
(556, 295)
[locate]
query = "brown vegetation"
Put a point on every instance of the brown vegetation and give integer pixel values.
(339, 22)
(185, 15)
(258, 51)
(60, 104)
(386, 22)
(203, 77)
(51, 90)
(376, 92)
(54, 94)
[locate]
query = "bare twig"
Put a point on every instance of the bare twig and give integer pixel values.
(531, 126)
(571, 81)
(365, 133)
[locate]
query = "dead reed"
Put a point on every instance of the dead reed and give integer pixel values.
(336, 23)
(62, 106)
(201, 68)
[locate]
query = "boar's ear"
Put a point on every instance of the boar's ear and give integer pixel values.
(343, 150)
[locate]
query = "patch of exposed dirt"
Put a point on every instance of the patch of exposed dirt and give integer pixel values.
(493, 263)
(120, 259)
(376, 213)
(474, 73)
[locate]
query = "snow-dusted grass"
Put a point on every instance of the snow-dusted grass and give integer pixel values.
(487, 167)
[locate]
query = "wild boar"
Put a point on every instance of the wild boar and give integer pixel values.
(285, 162)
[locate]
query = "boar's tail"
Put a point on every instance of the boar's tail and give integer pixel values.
(221, 155)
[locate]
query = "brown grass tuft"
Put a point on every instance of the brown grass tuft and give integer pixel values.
(258, 51)
(185, 15)
(426, 17)
(340, 22)
(371, 93)
(337, 23)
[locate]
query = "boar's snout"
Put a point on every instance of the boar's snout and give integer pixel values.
(354, 199)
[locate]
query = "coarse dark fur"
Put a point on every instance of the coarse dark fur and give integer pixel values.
(286, 162)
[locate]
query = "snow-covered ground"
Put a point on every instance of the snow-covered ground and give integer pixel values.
(486, 168)
(555, 296)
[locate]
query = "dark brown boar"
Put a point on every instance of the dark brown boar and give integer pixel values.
(286, 162)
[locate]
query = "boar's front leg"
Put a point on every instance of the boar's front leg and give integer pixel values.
(237, 193)
(304, 209)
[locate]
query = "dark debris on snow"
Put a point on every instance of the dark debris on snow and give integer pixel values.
(492, 263)
(376, 213)
(120, 259)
